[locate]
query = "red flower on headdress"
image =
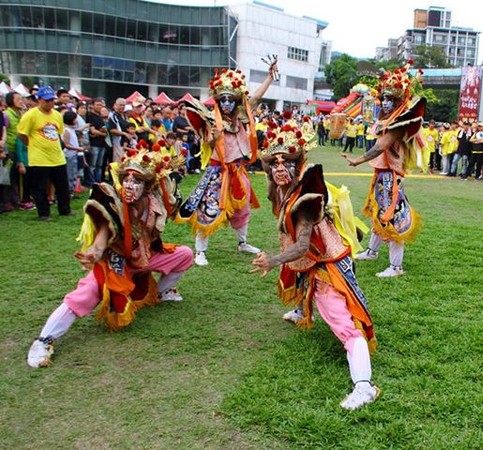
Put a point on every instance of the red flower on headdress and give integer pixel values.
(142, 144)
(287, 127)
(302, 142)
(287, 115)
(131, 152)
(411, 62)
(280, 140)
(156, 147)
(265, 144)
(162, 143)
(146, 158)
(298, 134)
(166, 158)
(292, 149)
(272, 124)
(271, 134)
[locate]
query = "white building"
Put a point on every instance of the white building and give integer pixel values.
(266, 30)
(432, 27)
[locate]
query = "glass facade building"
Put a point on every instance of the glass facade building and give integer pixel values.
(111, 48)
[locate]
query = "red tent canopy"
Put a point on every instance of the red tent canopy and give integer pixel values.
(75, 93)
(186, 98)
(163, 99)
(209, 102)
(322, 105)
(135, 97)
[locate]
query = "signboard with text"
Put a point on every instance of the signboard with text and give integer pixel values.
(470, 93)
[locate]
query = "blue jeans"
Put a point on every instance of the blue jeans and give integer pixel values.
(454, 164)
(95, 158)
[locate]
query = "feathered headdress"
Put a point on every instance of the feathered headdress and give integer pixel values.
(228, 81)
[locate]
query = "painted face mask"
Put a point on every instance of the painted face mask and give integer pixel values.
(282, 171)
(227, 104)
(387, 105)
(133, 188)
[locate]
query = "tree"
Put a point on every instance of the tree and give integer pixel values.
(445, 109)
(341, 75)
(4, 77)
(426, 56)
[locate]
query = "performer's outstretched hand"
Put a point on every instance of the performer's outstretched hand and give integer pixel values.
(262, 264)
(87, 259)
(351, 161)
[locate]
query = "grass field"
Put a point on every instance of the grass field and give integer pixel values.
(221, 370)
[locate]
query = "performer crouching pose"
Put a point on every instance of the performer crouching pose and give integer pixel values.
(121, 247)
(315, 260)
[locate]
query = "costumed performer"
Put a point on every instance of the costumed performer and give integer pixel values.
(397, 150)
(122, 246)
(315, 258)
(224, 193)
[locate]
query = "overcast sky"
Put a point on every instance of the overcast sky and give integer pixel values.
(357, 27)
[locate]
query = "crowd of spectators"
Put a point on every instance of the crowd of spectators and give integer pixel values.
(95, 134)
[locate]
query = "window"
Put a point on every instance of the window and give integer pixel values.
(296, 82)
(298, 54)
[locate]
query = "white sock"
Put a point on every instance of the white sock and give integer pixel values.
(201, 243)
(168, 281)
(396, 254)
(59, 322)
(241, 233)
(360, 361)
(375, 242)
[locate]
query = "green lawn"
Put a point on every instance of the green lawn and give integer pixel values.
(221, 370)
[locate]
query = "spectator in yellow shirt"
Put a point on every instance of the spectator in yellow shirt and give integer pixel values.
(431, 136)
(449, 144)
(350, 133)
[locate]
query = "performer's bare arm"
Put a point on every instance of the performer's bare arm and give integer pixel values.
(264, 262)
(383, 142)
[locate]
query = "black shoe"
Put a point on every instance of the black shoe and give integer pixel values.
(44, 218)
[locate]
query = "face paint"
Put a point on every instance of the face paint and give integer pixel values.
(133, 188)
(227, 104)
(387, 105)
(282, 171)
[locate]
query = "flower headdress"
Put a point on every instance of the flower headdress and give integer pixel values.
(398, 83)
(228, 81)
(147, 163)
(287, 139)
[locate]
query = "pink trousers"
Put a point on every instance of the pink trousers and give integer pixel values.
(87, 295)
(333, 309)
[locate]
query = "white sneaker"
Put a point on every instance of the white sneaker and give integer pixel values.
(40, 353)
(197, 171)
(368, 255)
(200, 259)
(363, 393)
(170, 295)
(293, 316)
(244, 247)
(390, 272)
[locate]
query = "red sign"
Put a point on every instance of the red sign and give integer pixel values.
(469, 93)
